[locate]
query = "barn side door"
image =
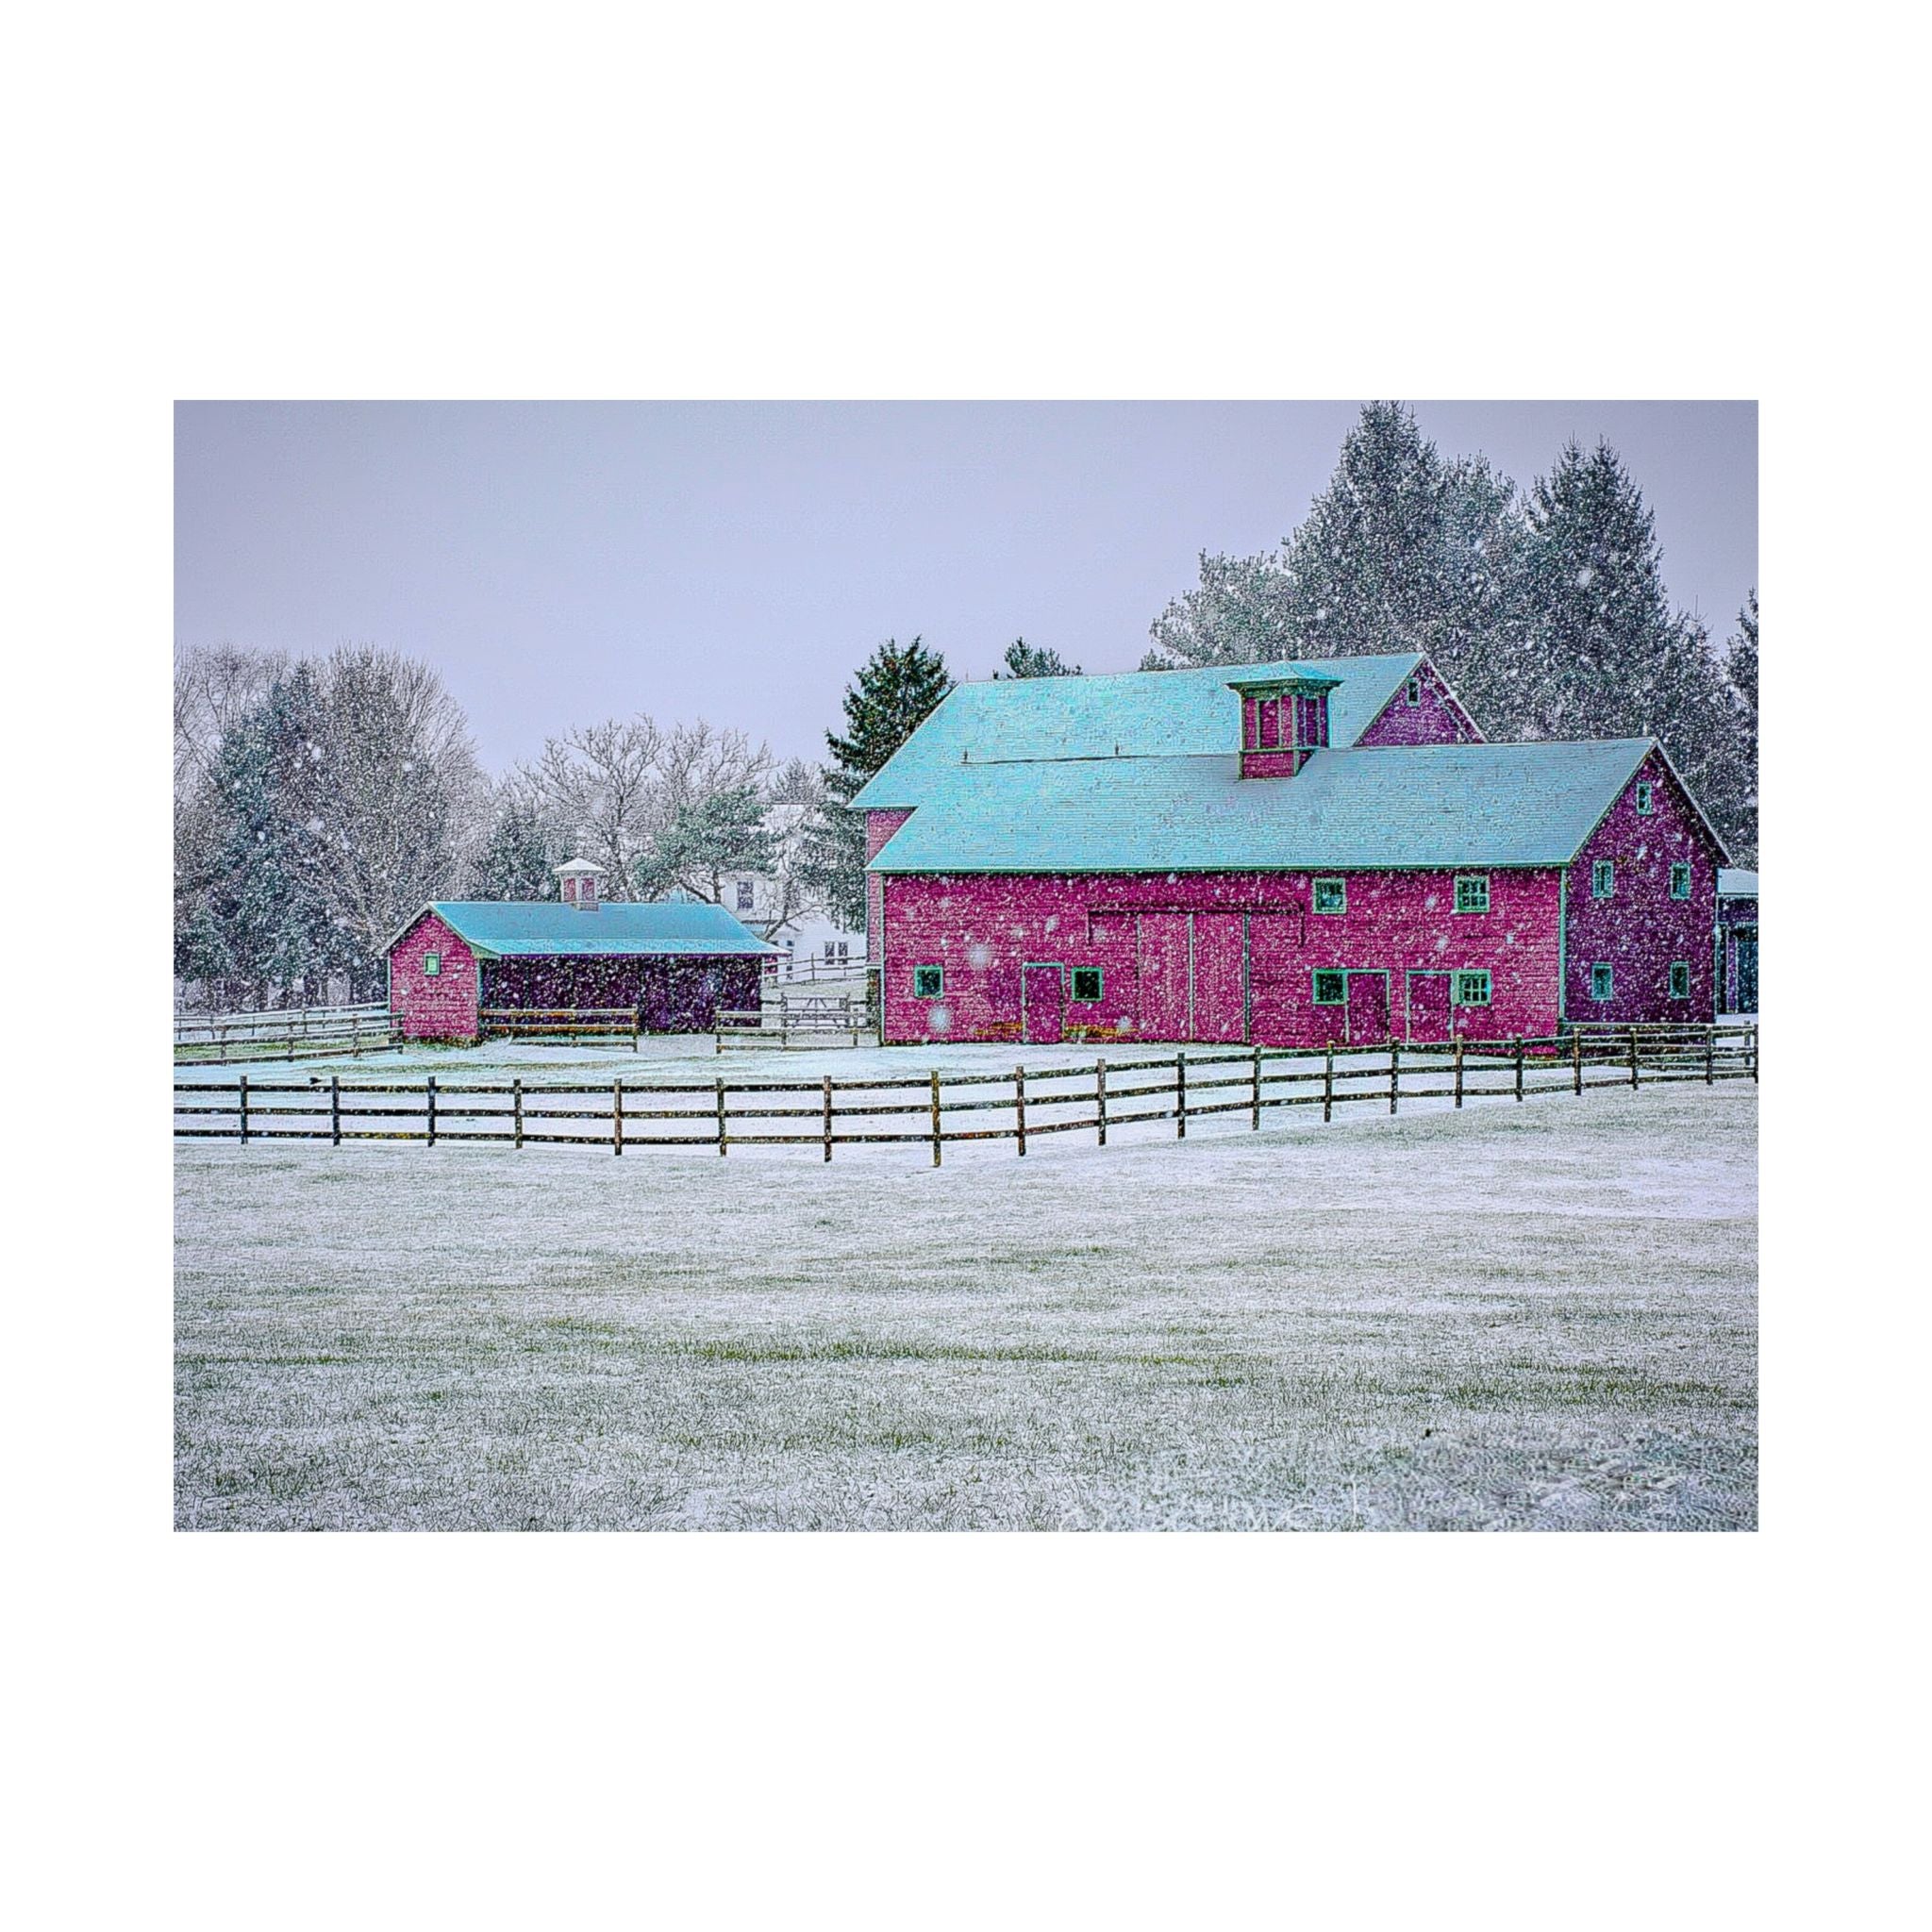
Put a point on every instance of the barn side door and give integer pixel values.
(1368, 1009)
(1428, 1006)
(1042, 1004)
(1162, 960)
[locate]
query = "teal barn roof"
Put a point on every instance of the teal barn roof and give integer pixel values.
(1138, 713)
(1733, 883)
(548, 928)
(1410, 806)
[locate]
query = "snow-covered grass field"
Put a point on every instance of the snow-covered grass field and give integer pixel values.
(1536, 1316)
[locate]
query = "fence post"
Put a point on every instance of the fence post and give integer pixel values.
(1255, 1123)
(1577, 1059)
(1710, 1056)
(721, 1117)
(516, 1108)
(335, 1109)
(1395, 1072)
(1100, 1096)
(1753, 1046)
(1329, 1084)
(1458, 1072)
(1180, 1093)
(244, 1110)
(634, 1017)
(1020, 1106)
(828, 1116)
(429, 1087)
(935, 1116)
(1519, 1066)
(1633, 1055)
(617, 1117)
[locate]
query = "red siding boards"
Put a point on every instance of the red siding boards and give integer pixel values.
(1220, 957)
(440, 1006)
(1434, 718)
(1639, 931)
(879, 826)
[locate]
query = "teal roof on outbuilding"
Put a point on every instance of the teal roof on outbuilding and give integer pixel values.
(1138, 713)
(547, 929)
(1407, 805)
(1734, 883)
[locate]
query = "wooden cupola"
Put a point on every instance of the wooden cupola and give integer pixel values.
(1284, 721)
(577, 880)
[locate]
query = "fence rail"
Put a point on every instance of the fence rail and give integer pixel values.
(560, 1022)
(938, 1110)
(292, 1033)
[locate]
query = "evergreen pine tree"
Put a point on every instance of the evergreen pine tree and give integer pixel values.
(894, 690)
(1605, 657)
(1740, 668)
(1741, 662)
(1599, 623)
(268, 904)
(1035, 660)
(517, 860)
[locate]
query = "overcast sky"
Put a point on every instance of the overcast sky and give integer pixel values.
(563, 562)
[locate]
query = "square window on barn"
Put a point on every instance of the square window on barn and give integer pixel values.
(1646, 798)
(1602, 982)
(1471, 989)
(1680, 881)
(744, 895)
(1472, 891)
(1085, 982)
(928, 982)
(1680, 979)
(1331, 989)
(1415, 690)
(1331, 895)
(432, 965)
(1603, 880)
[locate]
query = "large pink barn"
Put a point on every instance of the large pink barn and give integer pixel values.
(1291, 854)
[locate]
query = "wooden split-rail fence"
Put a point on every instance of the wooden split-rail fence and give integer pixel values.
(567, 1024)
(930, 1110)
(288, 1033)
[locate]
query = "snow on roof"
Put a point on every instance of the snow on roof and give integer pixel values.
(1436, 805)
(575, 865)
(1138, 713)
(547, 927)
(1733, 883)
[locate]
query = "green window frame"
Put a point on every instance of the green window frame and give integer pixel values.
(1469, 989)
(1330, 895)
(1680, 880)
(432, 965)
(1603, 880)
(1646, 798)
(928, 982)
(1088, 981)
(1603, 982)
(1472, 891)
(1680, 979)
(1331, 987)
(1414, 692)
